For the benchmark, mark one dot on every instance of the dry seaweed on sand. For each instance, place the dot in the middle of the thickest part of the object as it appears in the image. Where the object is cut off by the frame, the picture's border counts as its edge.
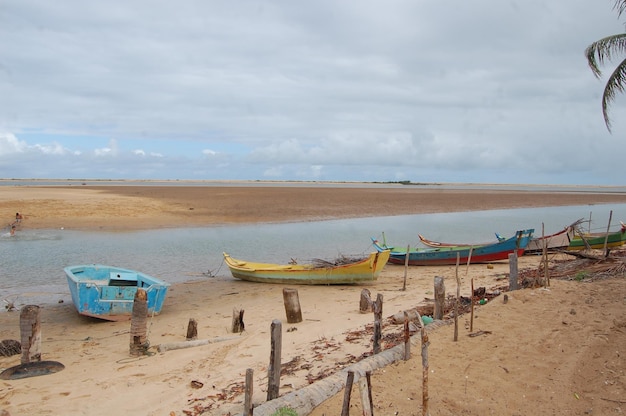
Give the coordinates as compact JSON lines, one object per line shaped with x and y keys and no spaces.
{"x":587,"y":268}
{"x":339,"y":261}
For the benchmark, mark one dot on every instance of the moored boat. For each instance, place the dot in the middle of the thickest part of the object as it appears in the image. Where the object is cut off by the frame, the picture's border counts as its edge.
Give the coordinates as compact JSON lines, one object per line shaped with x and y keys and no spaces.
{"x":448,"y":255}
{"x":598,"y":240}
{"x":436,"y":244}
{"x":347,"y":271}
{"x":108,"y":292}
{"x":556,"y":241}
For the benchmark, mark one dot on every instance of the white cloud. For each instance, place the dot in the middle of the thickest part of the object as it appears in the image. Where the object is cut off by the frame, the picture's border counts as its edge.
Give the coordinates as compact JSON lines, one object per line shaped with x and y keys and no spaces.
{"x":322,"y":90}
{"x":9,"y":144}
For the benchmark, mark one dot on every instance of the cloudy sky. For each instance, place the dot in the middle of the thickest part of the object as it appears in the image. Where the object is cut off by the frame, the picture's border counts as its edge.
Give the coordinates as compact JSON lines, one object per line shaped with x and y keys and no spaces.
{"x":491,"y":91}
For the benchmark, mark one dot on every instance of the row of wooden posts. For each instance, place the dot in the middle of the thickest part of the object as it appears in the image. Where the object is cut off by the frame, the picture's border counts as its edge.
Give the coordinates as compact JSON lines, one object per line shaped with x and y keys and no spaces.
{"x":294,"y":315}
{"x":30,"y":329}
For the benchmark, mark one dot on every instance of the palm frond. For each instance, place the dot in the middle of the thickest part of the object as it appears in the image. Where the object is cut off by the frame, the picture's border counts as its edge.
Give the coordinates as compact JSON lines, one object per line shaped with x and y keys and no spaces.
{"x":620,"y":6}
{"x":604,"y":49}
{"x":616,"y":83}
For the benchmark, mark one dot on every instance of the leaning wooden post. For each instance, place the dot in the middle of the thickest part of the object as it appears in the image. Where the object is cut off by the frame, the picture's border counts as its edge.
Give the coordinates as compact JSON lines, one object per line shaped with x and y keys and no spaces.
{"x":440,"y":297}
{"x":458,"y":298}
{"x":469,"y":260}
{"x":406,"y":265}
{"x":292,"y":306}
{"x":273,"y":371}
{"x":544,"y":249}
{"x":606,"y":238}
{"x":368,"y":376}
{"x":139,"y":324}
{"x":366,"y":400}
{"x":378,"y":317}
{"x":345,"y":408}
{"x":30,"y":331}
{"x":424,"y":340}
{"x":248,"y":408}
{"x":513,"y":271}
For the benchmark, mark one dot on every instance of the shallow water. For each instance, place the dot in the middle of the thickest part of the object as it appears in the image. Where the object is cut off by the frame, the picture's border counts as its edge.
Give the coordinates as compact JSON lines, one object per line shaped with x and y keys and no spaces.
{"x":33,"y":260}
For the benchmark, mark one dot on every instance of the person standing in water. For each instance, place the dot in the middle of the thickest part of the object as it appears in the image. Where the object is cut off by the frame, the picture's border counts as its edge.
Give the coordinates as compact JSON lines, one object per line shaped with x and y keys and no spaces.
{"x":18,"y":218}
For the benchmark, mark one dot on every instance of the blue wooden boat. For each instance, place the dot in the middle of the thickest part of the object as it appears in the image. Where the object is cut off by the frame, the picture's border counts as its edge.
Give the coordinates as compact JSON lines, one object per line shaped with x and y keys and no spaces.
{"x":448,"y":255}
{"x":108,"y":292}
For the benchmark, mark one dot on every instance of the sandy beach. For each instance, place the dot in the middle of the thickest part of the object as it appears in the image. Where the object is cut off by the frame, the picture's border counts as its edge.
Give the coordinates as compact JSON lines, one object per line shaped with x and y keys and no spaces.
{"x":555,"y":350}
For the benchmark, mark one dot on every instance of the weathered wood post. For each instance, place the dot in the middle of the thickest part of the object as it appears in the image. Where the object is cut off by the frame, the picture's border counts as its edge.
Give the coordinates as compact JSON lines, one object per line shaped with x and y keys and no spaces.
{"x":544,"y":251}
{"x":406,"y":266}
{"x":192,"y":329}
{"x":237,"y":324}
{"x":458,"y":298}
{"x":292,"y":306}
{"x":440,"y":297}
{"x":425,"y":343}
{"x":472,"y":308}
{"x":139,"y":324}
{"x":513,"y":272}
{"x":30,"y":330}
{"x":273,"y":371}
{"x":345,"y":408}
{"x":407,"y":337}
{"x":378,"y":317}
{"x":365,"y":304}
{"x":366,"y":400}
{"x":605,"y":250}
{"x":248,"y":408}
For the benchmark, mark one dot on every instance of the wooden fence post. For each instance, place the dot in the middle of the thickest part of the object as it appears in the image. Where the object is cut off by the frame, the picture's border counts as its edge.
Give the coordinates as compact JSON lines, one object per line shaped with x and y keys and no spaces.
{"x":425,"y":366}
{"x":407,"y":337}
{"x":248,"y":408}
{"x":458,"y":298}
{"x":139,"y":324}
{"x":406,"y":266}
{"x":378,"y":317}
{"x":366,"y":400}
{"x":273,"y":376}
{"x":192,"y":329}
{"x":365,"y":304}
{"x":440,"y":297}
{"x":345,"y":408}
{"x":237,"y":323}
{"x":30,"y":330}
{"x":513,"y":272}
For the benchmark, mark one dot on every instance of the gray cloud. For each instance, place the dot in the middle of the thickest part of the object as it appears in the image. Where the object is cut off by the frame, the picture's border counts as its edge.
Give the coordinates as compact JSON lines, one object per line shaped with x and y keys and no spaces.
{"x":419,"y":90}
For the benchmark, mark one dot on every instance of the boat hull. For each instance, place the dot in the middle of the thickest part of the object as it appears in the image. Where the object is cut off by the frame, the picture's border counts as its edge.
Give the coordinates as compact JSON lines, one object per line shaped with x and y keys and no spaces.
{"x":108,"y":293}
{"x":448,"y":255}
{"x":615,"y":239}
{"x":556,"y":241}
{"x":363,"y":271}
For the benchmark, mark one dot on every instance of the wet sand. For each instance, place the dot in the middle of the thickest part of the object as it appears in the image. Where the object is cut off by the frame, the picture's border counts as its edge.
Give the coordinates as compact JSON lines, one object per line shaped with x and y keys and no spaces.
{"x":547,"y":351}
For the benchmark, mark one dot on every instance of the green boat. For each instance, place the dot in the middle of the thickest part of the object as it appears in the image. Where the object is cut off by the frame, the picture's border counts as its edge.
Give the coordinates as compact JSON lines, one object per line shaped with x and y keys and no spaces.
{"x":597,"y":241}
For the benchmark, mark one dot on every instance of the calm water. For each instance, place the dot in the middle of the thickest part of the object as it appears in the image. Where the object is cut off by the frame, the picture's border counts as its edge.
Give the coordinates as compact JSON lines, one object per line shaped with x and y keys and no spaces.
{"x":33,"y":260}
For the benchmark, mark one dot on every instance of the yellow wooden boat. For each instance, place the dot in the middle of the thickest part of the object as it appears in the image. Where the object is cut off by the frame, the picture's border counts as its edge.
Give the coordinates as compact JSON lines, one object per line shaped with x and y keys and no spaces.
{"x":315,"y":273}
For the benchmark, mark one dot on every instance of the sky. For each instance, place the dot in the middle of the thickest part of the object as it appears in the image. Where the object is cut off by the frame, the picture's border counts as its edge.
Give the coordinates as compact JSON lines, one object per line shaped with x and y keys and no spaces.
{"x":487,"y":91}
